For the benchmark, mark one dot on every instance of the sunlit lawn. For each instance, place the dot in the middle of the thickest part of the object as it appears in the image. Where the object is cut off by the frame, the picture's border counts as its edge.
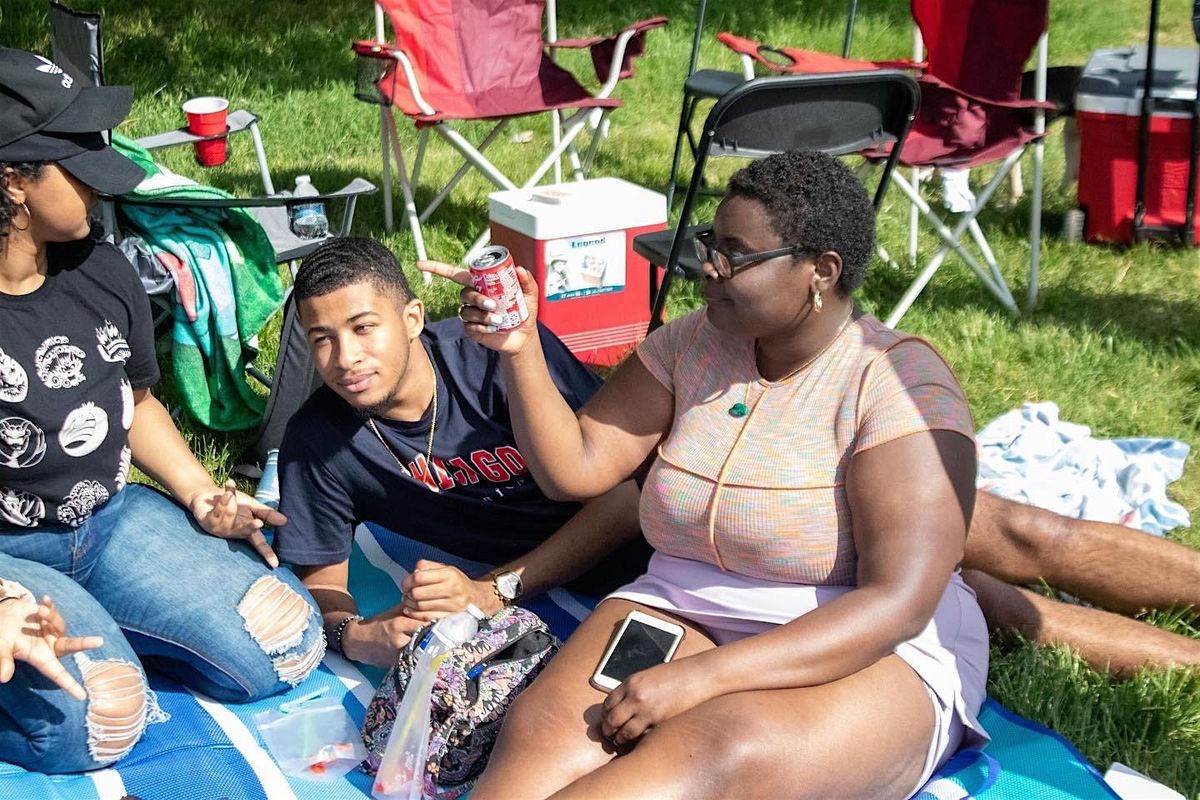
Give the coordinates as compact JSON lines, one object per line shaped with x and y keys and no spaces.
{"x":1114,"y":340}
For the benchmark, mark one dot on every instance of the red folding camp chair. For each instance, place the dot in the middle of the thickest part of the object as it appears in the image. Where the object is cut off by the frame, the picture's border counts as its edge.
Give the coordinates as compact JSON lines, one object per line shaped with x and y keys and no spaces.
{"x":456,"y":60}
{"x":971,"y":114}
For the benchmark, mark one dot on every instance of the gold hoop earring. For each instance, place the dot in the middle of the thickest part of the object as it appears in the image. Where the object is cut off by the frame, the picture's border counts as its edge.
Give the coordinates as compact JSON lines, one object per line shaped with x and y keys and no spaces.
{"x":28,"y":219}
{"x":818,"y":303}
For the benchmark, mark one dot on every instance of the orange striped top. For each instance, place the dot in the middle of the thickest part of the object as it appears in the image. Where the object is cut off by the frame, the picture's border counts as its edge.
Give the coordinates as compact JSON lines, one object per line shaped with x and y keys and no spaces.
{"x":764,"y":495}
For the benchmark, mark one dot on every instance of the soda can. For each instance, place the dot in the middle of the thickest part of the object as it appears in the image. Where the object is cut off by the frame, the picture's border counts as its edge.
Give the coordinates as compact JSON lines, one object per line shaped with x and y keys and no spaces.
{"x":495,"y":276}
{"x":268,"y":485}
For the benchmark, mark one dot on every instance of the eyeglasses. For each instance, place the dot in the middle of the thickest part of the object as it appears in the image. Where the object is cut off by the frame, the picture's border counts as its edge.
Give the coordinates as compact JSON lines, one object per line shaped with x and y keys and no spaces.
{"x":726,"y":265}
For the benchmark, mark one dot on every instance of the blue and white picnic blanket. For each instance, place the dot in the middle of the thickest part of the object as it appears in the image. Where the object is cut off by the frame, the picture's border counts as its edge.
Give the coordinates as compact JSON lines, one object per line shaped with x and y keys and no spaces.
{"x":212,"y":751}
{"x":1031,"y":456}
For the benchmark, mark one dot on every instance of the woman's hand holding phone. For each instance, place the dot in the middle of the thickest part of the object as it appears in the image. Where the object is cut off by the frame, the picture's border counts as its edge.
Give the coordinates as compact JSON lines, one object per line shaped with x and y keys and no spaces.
{"x":652,"y":696}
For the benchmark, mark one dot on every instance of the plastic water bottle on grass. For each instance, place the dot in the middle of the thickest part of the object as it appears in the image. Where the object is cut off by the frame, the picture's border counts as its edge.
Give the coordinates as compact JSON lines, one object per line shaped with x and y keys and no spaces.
{"x":308,"y":219}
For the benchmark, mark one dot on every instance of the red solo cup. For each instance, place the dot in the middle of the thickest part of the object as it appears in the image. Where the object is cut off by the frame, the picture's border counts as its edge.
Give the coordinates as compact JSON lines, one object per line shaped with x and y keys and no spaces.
{"x":206,"y":117}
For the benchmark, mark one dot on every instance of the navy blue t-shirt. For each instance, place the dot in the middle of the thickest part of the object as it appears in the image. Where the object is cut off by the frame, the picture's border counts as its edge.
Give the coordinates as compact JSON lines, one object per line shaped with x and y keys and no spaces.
{"x":335,"y":473}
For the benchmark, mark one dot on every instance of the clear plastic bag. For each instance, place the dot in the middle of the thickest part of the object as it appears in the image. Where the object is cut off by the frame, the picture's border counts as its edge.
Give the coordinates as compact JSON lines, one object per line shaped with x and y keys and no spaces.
{"x":312,"y":737}
{"x":401,"y":774}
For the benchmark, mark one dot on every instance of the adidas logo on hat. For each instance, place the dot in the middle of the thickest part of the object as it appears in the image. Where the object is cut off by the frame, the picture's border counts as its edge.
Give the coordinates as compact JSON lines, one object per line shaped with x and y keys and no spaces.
{"x":51,"y":68}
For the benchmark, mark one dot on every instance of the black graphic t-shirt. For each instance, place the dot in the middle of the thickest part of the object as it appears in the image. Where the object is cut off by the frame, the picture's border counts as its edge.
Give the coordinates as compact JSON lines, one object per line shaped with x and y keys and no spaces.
{"x":335,"y":473}
{"x":72,"y":353}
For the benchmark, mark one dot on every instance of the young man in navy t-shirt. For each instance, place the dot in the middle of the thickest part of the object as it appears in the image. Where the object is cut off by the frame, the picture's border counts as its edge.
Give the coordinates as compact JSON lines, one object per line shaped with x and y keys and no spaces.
{"x":411,"y":431}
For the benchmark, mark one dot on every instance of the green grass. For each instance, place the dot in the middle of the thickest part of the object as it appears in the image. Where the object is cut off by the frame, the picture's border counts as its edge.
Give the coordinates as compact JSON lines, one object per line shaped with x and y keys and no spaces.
{"x":1114,"y":340}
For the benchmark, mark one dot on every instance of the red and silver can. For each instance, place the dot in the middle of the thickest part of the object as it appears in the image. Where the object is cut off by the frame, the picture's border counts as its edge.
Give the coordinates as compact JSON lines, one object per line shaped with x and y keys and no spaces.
{"x":495,"y":276}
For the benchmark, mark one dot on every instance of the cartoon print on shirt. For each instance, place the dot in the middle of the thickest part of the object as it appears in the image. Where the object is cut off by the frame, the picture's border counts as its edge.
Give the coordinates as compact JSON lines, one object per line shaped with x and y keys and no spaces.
{"x":22,"y":444}
{"x":21,"y":508}
{"x":78,"y":505}
{"x":60,"y":363}
{"x":126,"y":405}
{"x":123,"y":468}
{"x":83,"y":430}
{"x":14,"y":383}
{"x":111,"y":344}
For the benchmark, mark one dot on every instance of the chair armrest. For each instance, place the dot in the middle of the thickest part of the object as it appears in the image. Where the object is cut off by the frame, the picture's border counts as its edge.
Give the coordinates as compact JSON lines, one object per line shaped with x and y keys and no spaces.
{"x":237,"y":122}
{"x":403,"y":65}
{"x":351,"y":191}
{"x":785,"y":60}
{"x":612,"y":56}
{"x":1019,"y":104}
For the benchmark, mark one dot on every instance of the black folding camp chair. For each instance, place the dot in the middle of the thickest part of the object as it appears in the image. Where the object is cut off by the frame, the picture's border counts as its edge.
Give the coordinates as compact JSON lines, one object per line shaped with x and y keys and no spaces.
{"x":709,"y":84}
{"x":836,"y":113}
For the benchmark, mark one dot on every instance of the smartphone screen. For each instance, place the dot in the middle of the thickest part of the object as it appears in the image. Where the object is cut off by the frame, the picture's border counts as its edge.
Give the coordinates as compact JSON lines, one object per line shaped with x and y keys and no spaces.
{"x":640,"y":647}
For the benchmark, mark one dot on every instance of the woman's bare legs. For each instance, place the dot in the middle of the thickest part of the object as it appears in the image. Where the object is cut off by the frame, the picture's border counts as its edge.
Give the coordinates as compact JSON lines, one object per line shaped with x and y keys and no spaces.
{"x":795,"y":743}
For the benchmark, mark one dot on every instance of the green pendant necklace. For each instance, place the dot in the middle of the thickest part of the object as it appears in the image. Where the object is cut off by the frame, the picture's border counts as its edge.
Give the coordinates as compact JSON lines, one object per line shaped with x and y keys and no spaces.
{"x":740,"y":409}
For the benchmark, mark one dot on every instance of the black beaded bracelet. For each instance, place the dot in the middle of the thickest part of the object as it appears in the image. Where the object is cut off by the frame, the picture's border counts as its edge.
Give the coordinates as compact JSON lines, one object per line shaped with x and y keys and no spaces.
{"x":336,"y":641}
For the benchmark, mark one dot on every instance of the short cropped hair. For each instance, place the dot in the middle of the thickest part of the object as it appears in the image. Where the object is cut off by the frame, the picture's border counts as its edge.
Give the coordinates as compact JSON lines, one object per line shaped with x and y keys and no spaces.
{"x":816,"y":202}
{"x":347,"y":260}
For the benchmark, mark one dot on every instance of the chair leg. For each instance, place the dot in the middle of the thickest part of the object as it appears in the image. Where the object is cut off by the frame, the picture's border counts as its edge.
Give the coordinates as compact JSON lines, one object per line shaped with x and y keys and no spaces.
{"x":914,"y":219}
{"x":555,"y":138}
{"x":264,"y":171}
{"x":386,"y":123}
{"x":950,"y":241}
{"x":685,"y":119}
{"x":1035,"y":224}
{"x":1035,"y":200}
{"x":433,"y":204}
{"x":473,"y":155}
{"x":989,"y":258}
{"x":594,"y":144}
{"x":410,"y":206}
{"x":571,"y":129}
{"x":422,"y":142}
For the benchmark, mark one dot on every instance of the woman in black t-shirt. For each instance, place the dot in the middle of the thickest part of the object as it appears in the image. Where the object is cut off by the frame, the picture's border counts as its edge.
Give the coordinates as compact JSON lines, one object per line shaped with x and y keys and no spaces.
{"x":176,"y":581}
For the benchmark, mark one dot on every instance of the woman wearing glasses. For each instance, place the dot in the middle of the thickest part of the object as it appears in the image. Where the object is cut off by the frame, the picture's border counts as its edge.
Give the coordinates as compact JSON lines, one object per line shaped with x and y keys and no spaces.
{"x":808,"y":506}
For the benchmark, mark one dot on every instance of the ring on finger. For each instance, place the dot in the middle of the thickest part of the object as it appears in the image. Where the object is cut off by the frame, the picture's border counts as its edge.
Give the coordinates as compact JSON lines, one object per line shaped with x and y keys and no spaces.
{"x":461,"y":306}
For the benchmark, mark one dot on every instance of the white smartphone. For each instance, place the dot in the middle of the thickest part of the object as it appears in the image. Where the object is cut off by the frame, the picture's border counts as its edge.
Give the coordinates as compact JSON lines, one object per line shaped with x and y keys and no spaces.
{"x":641,"y":642}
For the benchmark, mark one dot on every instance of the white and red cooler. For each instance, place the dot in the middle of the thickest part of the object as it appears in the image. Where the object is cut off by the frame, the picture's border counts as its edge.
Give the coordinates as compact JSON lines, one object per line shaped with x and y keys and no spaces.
{"x":1107,"y":109}
{"x":577,"y":239}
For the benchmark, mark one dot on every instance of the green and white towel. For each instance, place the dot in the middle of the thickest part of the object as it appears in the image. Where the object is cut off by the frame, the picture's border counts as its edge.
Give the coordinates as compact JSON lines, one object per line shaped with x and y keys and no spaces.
{"x":238,"y":288}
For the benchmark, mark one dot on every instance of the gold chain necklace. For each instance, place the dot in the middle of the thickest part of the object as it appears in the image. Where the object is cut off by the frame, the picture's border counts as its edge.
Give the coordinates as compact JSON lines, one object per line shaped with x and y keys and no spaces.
{"x":428,"y":442}
{"x":742,"y":408}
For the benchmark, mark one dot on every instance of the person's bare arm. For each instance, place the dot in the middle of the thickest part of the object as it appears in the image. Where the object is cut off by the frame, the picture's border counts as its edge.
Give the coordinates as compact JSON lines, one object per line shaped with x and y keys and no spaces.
{"x":434,"y":590}
{"x":572,"y":456}
{"x":158,"y":449}
{"x":375,"y":640}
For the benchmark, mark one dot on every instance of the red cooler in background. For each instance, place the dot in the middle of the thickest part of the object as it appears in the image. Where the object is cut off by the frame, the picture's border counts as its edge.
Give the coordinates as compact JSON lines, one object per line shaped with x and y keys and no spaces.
{"x":577,"y":239}
{"x":1107,"y":109}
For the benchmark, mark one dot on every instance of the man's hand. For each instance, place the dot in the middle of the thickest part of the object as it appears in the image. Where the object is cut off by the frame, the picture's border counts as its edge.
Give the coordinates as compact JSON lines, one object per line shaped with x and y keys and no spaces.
{"x":229,"y":514}
{"x":433,"y":590}
{"x":36,"y":634}
{"x":377,"y":640}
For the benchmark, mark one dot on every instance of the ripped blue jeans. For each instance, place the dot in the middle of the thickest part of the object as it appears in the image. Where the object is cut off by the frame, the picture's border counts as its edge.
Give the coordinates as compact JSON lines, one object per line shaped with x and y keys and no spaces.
{"x":165,"y":596}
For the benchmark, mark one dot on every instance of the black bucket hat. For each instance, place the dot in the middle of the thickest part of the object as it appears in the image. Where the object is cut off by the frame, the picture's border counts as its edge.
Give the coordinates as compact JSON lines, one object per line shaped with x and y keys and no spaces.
{"x":48,"y":115}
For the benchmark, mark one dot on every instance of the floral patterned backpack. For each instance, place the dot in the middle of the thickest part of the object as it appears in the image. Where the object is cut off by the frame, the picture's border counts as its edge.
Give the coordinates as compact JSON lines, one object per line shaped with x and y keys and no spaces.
{"x":473,"y":689}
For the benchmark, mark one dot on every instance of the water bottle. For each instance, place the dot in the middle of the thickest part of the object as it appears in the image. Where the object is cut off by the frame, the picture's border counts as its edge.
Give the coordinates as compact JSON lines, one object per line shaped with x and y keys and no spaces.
{"x":308,"y":220}
{"x":268,"y":485}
